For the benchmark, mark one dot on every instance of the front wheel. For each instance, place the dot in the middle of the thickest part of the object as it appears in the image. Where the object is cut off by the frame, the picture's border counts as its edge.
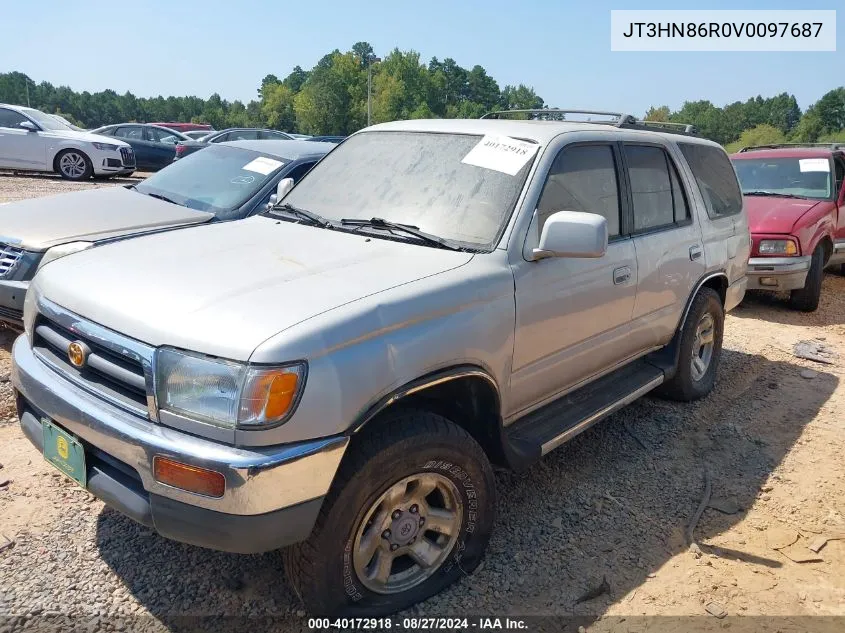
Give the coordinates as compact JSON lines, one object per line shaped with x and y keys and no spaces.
{"x":410,"y":512}
{"x":701,"y":349}
{"x":73,"y":164}
{"x":807,"y":298}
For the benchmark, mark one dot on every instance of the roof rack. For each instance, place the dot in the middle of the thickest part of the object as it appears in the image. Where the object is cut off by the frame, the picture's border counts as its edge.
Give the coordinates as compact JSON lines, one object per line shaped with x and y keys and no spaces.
{"x":621,"y":120}
{"x":797,"y":145}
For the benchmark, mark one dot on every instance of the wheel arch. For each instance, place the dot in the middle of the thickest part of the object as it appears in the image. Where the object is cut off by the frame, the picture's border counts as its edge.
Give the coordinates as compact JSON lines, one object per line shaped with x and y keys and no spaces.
{"x":667,"y":358}
{"x":467,"y":395}
{"x":64,"y":146}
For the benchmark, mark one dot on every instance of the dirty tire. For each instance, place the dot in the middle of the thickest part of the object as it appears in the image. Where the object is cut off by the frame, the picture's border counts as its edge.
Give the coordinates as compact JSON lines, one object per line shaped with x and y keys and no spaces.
{"x":806,"y":299}
{"x":322,"y":569}
{"x":684,"y":386}
{"x":73,"y":164}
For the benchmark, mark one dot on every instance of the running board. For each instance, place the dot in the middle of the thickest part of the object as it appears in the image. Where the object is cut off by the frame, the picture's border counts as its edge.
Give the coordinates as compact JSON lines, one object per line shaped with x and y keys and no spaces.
{"x":550,"y":426}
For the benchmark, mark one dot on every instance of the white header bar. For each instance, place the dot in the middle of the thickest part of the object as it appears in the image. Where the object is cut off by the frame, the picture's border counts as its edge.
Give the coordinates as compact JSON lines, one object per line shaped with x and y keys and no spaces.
{"x":649,"y":30}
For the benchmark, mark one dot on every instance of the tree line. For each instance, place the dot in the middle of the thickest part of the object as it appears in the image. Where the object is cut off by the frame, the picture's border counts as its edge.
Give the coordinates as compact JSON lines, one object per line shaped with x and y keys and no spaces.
{"x":331,"y":98}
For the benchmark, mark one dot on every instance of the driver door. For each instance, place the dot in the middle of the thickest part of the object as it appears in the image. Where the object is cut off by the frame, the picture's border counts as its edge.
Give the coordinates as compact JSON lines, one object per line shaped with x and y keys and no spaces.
{"x":20,"y":148}
{"x":573,"y":316}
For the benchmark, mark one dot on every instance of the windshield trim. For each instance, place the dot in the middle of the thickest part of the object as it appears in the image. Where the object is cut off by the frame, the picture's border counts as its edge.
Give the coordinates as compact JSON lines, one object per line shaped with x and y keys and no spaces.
{"x":509,"y":208}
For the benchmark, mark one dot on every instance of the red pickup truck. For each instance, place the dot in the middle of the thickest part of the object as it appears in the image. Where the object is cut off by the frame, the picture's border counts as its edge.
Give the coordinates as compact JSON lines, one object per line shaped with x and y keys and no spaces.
{"x":795,"y":198}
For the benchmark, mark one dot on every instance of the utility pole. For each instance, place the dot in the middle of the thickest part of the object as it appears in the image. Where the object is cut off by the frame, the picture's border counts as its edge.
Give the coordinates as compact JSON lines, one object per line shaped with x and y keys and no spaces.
{"x":26,"y":83}
{"x":370,"y":60}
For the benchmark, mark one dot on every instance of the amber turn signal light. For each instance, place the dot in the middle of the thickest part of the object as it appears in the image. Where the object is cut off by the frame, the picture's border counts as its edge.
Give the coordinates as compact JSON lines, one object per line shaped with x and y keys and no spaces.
{"x":200,"y":481}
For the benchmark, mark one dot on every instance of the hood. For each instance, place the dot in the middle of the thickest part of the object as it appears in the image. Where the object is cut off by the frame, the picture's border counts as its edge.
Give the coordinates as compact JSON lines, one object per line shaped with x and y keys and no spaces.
{"x":773,"y":214}
{"x":89,"y":215}
{"x":88,"y":137}
{"x":223,"y":289}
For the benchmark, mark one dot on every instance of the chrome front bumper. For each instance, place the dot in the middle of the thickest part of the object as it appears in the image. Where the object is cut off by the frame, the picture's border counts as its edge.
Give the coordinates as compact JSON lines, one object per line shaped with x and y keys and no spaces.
{"x":260,"y":482}
{"x":777,"y":273}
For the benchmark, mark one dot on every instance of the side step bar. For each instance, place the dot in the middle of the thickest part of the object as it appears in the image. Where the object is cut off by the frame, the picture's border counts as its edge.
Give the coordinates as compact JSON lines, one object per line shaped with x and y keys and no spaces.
{"x":543,"y":430}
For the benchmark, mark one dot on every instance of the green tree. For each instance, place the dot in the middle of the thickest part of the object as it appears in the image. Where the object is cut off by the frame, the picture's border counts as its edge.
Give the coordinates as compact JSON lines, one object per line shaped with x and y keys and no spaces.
{"x":763,"y":134}
{"x":277,"y":107}
{"x":661,"y":114}
{"x":520,"y":97}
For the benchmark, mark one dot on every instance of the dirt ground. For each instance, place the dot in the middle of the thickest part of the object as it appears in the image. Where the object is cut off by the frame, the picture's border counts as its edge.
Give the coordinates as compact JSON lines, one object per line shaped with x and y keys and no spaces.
{"x":614,"y":504}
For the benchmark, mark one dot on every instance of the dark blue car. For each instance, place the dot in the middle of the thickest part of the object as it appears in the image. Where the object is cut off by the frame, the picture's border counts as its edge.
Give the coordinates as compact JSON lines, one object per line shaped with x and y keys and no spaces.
{"x":154,"y":145}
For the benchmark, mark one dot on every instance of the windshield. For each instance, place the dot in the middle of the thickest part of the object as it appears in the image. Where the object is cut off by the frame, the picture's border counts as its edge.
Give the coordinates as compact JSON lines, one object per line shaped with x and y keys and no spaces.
{"x":46,"y":121}
{"x":217,"y":179}
{"x":801,"y":177}
{"x":418,"y":179}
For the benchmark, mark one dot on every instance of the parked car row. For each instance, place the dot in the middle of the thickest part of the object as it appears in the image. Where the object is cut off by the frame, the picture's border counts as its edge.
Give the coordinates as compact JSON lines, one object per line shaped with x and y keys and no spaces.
{"x":338,"y":373}
{"x":35,"y":141}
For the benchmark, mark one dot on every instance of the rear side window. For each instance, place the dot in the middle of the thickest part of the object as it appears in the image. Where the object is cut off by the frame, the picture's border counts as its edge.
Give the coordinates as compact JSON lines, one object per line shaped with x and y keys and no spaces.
{"x":582,"y":178}
{"x":715,"y":177}
{"x":656,"y":192}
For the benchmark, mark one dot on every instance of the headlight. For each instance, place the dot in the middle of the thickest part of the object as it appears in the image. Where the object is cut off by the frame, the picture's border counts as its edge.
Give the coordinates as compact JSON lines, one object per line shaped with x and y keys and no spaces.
{"x":227,"y":393}
{"x":778,"y":247}
{"x":61,"y":250}
{"x":106,"y":146}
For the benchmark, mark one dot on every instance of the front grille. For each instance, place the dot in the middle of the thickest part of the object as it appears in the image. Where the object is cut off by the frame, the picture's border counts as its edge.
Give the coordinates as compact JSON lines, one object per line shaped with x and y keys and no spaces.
{"x":114,"y":374}
{"x":127,"y":156}
{"x":10,"y":257}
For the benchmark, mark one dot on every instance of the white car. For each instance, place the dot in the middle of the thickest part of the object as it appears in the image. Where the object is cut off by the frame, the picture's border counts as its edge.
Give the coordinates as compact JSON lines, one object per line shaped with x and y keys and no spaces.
{"x":35,"y":141}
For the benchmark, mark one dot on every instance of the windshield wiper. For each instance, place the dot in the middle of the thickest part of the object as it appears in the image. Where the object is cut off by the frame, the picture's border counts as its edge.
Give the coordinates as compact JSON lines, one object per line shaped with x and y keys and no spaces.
{"x":302,"y":214}
{"x":410,"y":229}
{"x":776,"y":194}
{"x":158,"y":196}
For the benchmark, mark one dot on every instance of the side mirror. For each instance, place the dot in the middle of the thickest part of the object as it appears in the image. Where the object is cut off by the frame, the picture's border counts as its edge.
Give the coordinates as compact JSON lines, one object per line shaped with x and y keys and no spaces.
{"x":285,"y":185}
{"x":573,"y":234}
{"x":29,"y":126}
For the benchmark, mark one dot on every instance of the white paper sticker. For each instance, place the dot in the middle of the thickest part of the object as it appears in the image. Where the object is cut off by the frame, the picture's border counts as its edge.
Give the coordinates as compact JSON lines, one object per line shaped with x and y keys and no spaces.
{"x":501,"y":153}
{"x":813,"y":164}
{"x":263,"y":165}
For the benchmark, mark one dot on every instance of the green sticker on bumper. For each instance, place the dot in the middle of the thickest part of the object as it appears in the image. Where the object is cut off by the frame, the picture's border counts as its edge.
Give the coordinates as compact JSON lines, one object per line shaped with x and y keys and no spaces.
{"x":64,"y":451}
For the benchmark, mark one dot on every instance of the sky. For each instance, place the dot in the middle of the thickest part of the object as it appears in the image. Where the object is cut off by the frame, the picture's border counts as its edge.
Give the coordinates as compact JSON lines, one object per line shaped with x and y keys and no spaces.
{"x":559,"y":47}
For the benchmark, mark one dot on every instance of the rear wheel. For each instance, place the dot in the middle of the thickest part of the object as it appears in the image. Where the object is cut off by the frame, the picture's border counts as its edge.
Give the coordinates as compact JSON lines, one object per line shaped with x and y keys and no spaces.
{"x":701,"y":349}
{"x":73,"y":164}
{"x":806,"y":299}
{"x":410,"y":512}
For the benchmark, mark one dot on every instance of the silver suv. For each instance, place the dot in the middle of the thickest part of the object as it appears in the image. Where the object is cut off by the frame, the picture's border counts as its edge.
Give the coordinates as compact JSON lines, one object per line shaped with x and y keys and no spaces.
{"x":340,"y":374}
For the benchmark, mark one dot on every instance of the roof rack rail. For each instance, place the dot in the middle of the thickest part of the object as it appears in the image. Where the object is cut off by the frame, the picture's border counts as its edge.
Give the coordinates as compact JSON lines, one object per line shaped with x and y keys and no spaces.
{"x":796,"y":145}
{"x":559,"y":114}
{"x":621,"y":120}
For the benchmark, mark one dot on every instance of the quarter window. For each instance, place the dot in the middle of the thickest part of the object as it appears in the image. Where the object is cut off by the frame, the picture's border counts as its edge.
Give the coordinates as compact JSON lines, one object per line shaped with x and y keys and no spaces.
{"x":656,"y":191}
{"x":715,"y":178}
{"x":582,"y":178}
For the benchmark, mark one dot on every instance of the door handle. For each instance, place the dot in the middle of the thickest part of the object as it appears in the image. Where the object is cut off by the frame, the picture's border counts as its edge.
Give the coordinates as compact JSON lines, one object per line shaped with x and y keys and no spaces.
{"x":695,"y":252}
{"x":621,"y":275}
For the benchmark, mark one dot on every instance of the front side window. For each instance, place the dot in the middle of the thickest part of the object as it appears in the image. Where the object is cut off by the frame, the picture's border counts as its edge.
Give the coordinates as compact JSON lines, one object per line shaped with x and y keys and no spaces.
{"x":656,"y":191}
{"x":162,"y":136}
{"x":131,"y":132}
{"x":243,"y":135}
{"x":10,"y":118}
{"x":415,"y":178}
{"x":715,"y":178}
{"x":788,"y":177}
{"x":582,"y":178}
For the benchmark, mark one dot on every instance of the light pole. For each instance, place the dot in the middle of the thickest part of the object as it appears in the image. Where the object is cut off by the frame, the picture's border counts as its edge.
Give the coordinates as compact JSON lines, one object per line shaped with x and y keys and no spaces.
{"x":370,"y":60}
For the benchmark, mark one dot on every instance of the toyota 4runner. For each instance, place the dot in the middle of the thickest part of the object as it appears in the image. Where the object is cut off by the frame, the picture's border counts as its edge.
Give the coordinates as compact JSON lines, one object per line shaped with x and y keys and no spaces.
{"x":339,"y":374}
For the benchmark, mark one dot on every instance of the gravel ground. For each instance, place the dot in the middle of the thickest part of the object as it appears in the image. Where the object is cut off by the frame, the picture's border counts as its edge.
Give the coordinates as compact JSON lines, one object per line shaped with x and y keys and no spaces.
{"x":612,"y":504}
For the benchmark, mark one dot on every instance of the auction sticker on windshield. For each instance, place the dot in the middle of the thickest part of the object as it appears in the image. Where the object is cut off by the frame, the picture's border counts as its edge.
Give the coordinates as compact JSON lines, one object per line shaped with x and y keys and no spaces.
{"x":501,"y":153}
{"x":813,"y":164}
{"x":263,"y":165}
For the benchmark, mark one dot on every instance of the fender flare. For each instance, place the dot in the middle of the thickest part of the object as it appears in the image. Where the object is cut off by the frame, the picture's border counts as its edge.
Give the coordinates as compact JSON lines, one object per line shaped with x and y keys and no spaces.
{"x":422,"y":383}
